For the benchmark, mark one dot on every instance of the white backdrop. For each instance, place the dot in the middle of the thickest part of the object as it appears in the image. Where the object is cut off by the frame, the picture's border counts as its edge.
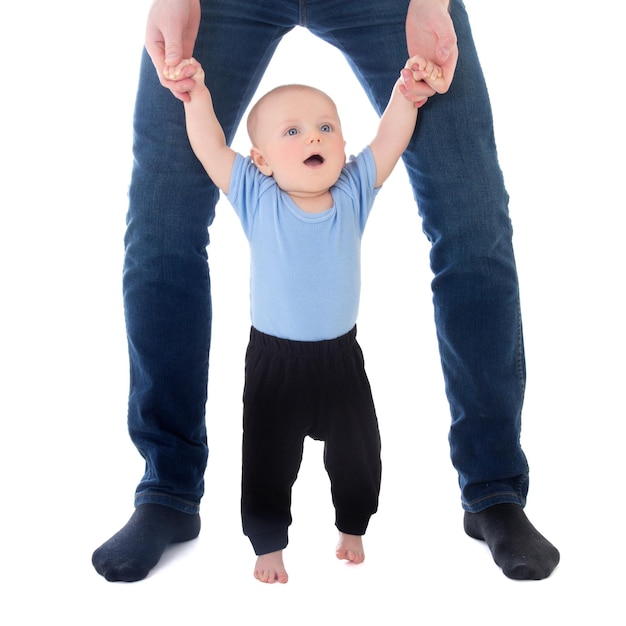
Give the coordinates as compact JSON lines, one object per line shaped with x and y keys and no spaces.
{"x":68,"y":467}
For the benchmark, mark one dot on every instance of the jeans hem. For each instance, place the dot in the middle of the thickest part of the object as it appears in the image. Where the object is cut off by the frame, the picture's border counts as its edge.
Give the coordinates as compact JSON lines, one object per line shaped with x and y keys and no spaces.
{"x":180,"y":504}
{"x":480,"y":504}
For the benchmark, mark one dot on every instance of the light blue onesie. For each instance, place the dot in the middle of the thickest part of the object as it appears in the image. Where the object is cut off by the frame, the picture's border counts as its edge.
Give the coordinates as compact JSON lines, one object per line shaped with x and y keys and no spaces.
{"x":305,"y":274}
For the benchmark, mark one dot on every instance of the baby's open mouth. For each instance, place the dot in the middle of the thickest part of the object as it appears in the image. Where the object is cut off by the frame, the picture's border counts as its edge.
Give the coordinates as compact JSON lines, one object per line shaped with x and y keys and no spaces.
{"x":314,"y":159}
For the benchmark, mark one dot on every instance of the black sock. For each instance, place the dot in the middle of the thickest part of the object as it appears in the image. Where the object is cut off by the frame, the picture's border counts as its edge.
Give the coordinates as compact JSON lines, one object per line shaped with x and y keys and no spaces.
{"x":132,"y":552}
{"x":515,"y":544}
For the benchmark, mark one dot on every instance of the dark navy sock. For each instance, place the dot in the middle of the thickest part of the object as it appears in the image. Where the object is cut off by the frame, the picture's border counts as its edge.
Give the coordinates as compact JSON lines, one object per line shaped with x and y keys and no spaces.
{"x":515,"y":544}
{"x":132,"y":552}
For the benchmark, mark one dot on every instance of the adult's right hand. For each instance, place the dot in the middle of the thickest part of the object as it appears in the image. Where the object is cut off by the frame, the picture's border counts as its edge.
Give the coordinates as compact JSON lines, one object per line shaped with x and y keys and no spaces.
{"x":171,"y":33}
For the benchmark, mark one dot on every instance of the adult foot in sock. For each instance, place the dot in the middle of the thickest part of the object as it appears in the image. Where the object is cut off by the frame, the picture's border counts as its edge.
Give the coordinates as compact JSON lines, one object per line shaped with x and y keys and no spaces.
{"x":132,"y":552}
{"x":515,"y":544}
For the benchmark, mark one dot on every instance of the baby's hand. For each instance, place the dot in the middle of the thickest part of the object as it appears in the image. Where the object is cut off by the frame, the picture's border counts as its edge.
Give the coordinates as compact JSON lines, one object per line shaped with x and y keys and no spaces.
{"x":175,"y":72}
{"x":423,"y":69}
{"x":186,"y":77}
{"x":420,"y":80}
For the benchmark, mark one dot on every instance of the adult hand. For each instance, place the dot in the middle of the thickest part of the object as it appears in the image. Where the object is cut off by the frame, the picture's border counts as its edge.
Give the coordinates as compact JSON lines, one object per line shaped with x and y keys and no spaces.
{"x":430,"y":34}
{"x":171,"y":32}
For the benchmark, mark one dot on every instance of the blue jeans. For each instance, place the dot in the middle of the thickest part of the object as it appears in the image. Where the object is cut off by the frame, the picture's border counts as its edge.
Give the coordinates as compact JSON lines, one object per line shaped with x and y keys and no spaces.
{"x":453,"y":168}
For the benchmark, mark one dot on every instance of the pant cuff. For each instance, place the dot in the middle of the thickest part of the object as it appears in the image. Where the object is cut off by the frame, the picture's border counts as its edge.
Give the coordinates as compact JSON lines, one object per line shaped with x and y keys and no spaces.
{"x":269,"y":542}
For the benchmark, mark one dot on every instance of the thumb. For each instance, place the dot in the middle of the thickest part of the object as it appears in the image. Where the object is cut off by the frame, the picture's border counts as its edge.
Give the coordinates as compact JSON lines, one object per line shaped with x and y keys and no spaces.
{"x":173,"y":50}
{"x":164,"y":45}
{"x":445,"y":46}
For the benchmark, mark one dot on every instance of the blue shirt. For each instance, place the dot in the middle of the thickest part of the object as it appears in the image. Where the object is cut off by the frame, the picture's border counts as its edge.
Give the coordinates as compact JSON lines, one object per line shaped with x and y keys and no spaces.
{"x":305,"y":268}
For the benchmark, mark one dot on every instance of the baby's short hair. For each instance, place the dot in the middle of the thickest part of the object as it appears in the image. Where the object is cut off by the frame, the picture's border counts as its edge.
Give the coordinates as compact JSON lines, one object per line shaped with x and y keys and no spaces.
{"x":253,"y":116}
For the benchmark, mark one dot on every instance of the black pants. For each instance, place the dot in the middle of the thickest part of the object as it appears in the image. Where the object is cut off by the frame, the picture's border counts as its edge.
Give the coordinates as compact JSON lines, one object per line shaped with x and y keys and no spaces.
{"x":295,"y":389}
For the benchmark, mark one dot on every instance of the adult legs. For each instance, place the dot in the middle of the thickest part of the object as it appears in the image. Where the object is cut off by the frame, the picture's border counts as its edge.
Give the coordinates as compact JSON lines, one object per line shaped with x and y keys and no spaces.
{"x":453,"y":168}
{"x":167,"y":284}
{"x":168,"y":317}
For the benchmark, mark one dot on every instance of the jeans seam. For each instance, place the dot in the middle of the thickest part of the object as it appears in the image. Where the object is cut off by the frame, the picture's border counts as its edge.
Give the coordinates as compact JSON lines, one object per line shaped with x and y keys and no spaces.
{"x":521,"y":368}
{"x":302,"y":13}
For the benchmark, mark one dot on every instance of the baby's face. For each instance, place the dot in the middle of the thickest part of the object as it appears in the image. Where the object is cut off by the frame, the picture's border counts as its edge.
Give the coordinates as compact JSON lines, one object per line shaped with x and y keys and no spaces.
{"x":299,"y":136}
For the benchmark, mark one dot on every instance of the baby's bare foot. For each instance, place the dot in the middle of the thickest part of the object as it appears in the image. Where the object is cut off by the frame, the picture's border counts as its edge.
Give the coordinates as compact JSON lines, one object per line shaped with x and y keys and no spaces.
{"x":350,"y":548}
{"x":270,"y":568}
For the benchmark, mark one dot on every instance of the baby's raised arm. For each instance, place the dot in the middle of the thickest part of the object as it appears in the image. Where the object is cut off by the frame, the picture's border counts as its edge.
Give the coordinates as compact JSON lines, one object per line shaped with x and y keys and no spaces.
{"x":398,"y":121}
{"x":205,"y":132}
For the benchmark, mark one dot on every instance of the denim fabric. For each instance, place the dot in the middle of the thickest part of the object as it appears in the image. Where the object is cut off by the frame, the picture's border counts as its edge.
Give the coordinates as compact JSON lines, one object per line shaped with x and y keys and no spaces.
{"x":458,"y":185}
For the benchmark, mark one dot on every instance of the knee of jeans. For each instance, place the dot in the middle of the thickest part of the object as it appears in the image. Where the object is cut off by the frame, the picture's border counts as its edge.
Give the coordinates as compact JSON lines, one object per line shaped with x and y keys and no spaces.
{"x":473,"y":241}
{"x":169,"y":216}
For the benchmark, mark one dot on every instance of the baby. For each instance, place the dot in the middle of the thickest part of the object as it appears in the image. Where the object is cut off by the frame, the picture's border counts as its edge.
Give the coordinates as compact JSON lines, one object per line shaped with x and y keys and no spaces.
{"x":303,"y":209}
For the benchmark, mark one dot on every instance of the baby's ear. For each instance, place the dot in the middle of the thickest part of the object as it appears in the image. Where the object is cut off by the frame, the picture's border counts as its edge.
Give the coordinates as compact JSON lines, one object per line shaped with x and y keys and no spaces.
{"x":259,"y":160}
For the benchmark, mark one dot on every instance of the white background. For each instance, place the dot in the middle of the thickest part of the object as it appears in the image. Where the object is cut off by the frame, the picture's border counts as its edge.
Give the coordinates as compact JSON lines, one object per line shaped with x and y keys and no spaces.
{"x":68,"y":469}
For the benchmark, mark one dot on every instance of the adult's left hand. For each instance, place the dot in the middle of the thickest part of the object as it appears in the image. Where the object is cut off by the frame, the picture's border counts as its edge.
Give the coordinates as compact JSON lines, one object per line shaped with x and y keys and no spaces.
{"x":430,"y":34}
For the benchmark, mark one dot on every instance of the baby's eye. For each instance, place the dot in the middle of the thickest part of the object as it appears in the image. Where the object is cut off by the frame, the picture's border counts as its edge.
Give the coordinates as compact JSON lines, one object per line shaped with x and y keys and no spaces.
{"x":325,"y":128}
{"x":291,"y":132}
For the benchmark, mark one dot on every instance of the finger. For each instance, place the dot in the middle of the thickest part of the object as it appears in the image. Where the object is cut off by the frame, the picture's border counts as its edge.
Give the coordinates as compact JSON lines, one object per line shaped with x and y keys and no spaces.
{"x":180,"y":88}
{"x":445,"y":47}
{"x":182,"y":70}
{"x":416,"y":64}
{"x":448,"y":68}
{"x":423,"y":69}
{"x":164,"y":44}
{"x":155,"y":48}
{"x":438,"y":76}
{"x":412,"y":74}
{"x":417,"y":100}
{"x":172,"y":43}
{"x":415,"y":83}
